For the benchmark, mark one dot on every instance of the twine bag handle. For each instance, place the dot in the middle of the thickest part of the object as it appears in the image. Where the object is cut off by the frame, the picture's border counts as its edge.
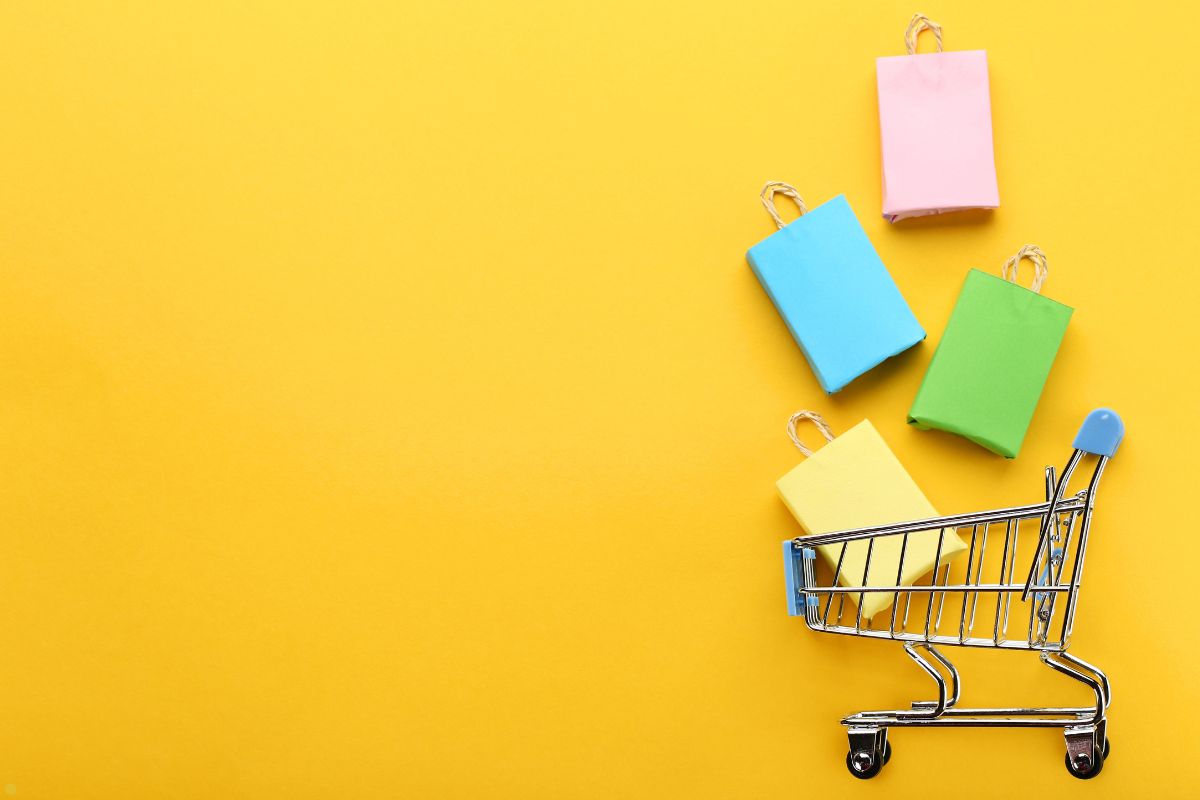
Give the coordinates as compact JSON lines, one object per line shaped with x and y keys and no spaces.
{"x":767,"y":195}
{"x":919,"y":23}
{"x":815,"y":419}
{"x":1040,"y":267}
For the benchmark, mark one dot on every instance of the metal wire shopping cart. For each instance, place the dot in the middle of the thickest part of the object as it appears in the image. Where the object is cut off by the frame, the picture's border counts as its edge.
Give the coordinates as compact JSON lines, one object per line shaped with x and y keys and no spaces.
{"x":952,"y":595}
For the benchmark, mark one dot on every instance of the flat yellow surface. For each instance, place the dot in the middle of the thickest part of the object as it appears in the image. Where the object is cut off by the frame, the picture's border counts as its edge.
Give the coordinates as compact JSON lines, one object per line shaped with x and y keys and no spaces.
{"x":388,"y":410}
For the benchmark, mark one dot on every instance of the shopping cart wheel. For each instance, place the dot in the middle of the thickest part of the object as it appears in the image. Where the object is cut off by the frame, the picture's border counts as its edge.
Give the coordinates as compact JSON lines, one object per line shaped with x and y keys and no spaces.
{"x":863,"y":764}
{"x":1086,"y":768}
{"x":1106,"y":748}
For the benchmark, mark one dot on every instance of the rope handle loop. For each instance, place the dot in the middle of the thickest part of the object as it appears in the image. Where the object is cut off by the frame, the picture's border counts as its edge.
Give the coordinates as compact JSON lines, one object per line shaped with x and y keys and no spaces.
{"x":815,"y":419}
{"x":767,"y":195}
{"x":1040,"y":267}
{"x":919,"y":23}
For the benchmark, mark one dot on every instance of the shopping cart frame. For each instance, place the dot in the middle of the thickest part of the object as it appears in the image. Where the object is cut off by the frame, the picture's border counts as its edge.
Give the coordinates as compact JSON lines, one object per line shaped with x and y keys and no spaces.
{"x":1052,"y":606}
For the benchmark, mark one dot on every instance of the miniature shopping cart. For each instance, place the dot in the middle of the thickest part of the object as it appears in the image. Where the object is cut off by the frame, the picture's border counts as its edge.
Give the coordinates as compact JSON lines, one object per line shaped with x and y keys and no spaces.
{"x":972,"y":602}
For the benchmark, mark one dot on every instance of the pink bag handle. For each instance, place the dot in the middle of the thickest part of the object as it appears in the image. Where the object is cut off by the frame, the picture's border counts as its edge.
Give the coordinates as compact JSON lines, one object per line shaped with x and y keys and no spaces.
{"x":919,"y":23}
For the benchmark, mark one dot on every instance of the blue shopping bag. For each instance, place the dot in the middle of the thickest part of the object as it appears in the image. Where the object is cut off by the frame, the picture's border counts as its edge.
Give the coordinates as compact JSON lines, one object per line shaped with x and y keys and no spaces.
{"x":833,"y":292}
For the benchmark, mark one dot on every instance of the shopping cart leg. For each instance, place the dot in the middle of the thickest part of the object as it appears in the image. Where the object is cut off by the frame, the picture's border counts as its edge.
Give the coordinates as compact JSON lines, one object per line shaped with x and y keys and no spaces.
{"x":1101,"y":678}
{"x":1087,"y":743}
{"x":945,"y":699}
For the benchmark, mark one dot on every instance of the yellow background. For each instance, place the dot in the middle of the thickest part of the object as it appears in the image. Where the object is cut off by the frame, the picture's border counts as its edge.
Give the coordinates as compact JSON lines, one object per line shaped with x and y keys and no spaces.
{"x":388,"y":409}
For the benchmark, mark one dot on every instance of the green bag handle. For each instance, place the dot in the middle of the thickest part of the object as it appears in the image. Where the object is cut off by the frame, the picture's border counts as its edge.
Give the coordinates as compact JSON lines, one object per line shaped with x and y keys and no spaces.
{"x":1040,"y":267}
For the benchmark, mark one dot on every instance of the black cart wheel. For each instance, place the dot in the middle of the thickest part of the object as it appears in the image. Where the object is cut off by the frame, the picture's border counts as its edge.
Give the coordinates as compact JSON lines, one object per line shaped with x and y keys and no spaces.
{"x":1088,"y":770}
{"x":863,"y":764}
{"x":1106,"y":748}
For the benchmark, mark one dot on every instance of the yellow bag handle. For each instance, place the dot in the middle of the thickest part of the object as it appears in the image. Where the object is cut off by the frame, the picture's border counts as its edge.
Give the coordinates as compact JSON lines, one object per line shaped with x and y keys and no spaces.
{"x":815,"y":419}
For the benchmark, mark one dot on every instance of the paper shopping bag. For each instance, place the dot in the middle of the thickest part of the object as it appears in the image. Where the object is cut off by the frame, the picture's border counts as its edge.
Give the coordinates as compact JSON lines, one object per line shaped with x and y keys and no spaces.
{"x":854,"y":481}
{"x":935,"y":128}
{"x":835,"y":295}
{"x":988,"y":371}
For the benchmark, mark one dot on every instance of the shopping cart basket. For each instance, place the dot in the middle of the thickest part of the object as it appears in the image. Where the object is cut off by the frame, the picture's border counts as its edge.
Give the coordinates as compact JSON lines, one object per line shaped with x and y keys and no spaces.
{"x":946,"y":607}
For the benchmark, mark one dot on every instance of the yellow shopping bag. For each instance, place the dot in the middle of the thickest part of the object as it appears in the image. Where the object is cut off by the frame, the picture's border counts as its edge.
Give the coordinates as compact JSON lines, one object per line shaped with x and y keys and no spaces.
{"x":855,"y":481}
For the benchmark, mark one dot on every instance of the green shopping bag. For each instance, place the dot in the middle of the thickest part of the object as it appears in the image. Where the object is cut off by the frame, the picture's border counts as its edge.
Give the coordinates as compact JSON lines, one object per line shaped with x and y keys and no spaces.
{"x":988,"y":371}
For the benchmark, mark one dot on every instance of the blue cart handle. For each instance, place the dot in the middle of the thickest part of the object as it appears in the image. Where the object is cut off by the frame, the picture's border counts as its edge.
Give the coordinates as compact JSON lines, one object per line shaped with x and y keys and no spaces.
{"x":1101,"y":433}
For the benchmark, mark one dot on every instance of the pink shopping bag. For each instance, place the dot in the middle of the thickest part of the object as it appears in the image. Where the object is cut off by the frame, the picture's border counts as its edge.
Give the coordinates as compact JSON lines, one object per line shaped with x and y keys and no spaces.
{"x":935,"y":126}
